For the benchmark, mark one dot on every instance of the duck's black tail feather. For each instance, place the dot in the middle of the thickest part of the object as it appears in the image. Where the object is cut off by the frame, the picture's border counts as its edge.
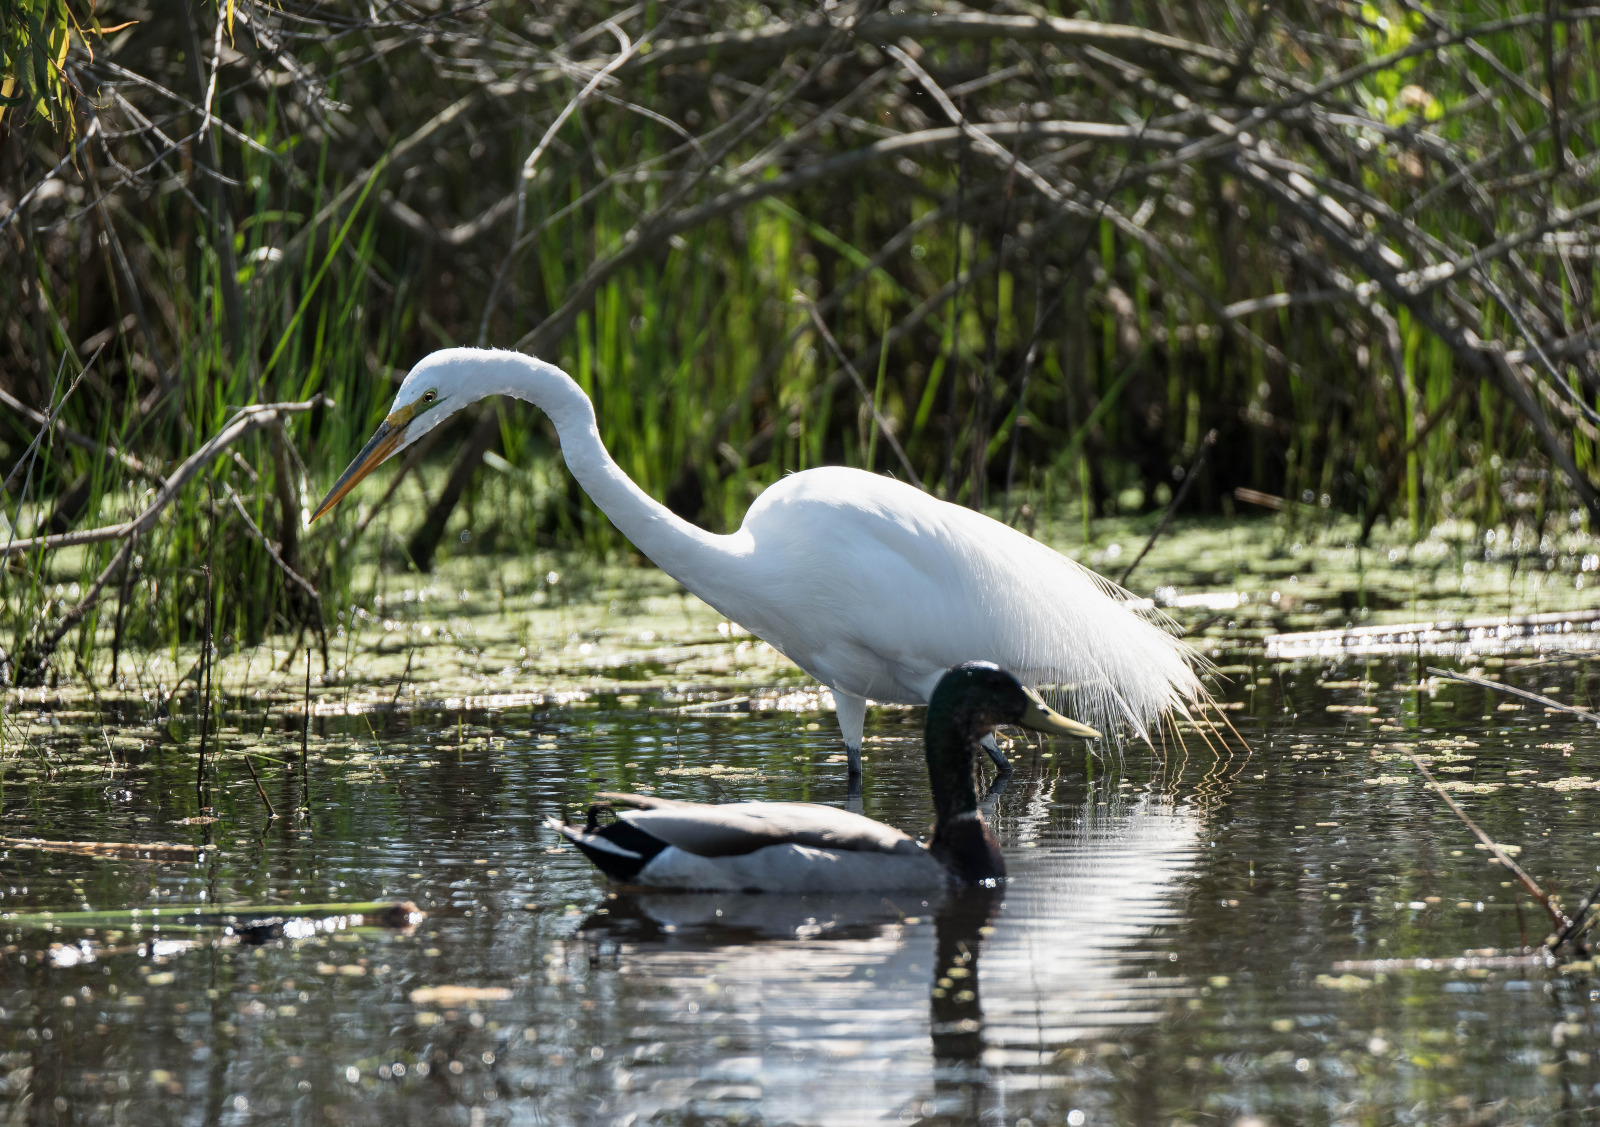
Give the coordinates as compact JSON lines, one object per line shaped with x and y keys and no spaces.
{"x":619,"y":850}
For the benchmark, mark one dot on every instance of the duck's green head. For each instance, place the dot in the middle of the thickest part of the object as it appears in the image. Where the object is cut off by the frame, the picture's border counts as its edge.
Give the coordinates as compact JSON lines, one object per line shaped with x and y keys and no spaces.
{"x":969,"y":703}
{"x":979,"y":697}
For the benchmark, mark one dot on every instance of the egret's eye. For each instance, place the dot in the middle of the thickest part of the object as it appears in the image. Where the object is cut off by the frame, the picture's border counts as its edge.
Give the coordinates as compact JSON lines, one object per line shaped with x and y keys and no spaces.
{"x":429,"y":396}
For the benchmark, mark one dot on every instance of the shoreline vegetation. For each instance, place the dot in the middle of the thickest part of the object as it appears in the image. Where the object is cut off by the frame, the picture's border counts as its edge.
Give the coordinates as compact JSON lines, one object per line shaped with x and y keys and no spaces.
{"x":1034,"y":258}
{"x":558,"y":626}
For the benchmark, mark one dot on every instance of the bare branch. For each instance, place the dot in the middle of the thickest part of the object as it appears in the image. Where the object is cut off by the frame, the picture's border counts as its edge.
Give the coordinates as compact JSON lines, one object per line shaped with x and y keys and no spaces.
{"x":866,"y":396}
{"x":1421,"y":281}
{"x":82,"y":441}
{"x":1466,"y":346}
{"x":961,"y":27}
{"x":247,"y":420}
{"x":261,"y":538}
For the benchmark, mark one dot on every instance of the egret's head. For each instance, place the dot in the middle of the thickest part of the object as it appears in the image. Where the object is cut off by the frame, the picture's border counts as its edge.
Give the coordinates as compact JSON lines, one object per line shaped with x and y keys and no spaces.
{"x":431,"y":392}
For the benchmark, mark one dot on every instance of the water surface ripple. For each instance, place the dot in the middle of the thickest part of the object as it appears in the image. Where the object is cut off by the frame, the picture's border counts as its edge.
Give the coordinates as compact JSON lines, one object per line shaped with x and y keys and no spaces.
{"x":1185,"y":938}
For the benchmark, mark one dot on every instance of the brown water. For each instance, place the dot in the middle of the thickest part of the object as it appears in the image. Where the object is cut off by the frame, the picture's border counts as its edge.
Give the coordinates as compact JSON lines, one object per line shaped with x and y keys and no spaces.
{"x":1186,"y":937}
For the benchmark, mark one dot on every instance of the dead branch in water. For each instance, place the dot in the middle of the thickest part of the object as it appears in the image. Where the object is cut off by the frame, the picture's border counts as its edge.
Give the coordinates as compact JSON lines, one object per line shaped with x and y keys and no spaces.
{"x":1406,"y":637}
{"x":194,"y":917}
{"x":260,"y":790}
{"x":1466,"y":962}
{"x":1537,"y":698}
{"x":1564,"y":926}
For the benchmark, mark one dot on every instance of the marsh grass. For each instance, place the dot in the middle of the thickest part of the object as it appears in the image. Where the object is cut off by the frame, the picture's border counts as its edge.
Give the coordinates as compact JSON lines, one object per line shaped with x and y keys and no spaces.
{"x":162,"y":600}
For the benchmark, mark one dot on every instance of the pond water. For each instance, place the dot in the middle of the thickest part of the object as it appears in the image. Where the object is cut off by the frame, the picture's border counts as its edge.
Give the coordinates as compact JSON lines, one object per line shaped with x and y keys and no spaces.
{"x":1297,"y":933}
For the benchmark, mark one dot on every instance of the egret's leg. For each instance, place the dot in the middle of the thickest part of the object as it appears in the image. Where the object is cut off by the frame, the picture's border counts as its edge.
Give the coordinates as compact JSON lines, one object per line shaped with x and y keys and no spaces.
{"x":1001,"y":763}
{"x":852,"y":714}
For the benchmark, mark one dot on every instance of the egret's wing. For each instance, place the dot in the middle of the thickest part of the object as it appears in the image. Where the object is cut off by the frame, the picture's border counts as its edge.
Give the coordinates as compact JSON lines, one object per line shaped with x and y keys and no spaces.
{"x":744,"y":827}
{"x":886,"y":581}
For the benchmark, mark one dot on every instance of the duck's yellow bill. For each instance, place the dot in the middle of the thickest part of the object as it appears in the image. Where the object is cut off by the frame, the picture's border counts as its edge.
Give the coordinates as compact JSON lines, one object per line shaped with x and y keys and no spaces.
{"x":1042,"y":718}
{"x":383,"y":442}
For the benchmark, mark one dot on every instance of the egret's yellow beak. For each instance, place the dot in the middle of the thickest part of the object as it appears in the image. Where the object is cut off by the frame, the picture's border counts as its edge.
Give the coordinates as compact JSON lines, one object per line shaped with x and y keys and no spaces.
{"x":384,"y":441}
{"x":1042,"y":718}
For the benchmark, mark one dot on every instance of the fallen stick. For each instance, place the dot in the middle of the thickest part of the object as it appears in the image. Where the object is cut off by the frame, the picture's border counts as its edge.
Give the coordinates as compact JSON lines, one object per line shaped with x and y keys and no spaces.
{"x":701,"y":706}
{"x":121,"y":850}
{"x":1580,"y":921}
{"x":1556,"y":657}
{"x":1256,"y":497}
{"x":369,"y":913}
{"x":247,"y":420}
{"x":1563,"y":925}
{"x":1483,"y":682}
{"x":255,"y":778}
{"x":1559,"y":627}
{"x":1448,"y":962}
{"x":455,"y":996}
{"x":128,"y":461}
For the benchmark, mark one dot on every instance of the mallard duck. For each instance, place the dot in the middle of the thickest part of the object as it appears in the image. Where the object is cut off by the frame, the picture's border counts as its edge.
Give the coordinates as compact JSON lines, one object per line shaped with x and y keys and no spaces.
{"x":807,"y":847}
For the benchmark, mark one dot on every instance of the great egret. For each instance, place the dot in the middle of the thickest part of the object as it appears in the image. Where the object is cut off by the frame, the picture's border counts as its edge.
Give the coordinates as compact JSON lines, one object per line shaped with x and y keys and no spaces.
{"x":804,"y":847}
{"x":869,"y":585}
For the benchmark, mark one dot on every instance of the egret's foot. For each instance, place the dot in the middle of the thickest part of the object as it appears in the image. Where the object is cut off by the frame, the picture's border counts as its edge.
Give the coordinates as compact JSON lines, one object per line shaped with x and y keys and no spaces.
{"x":853,"y":790}
{"x":1001,"y":763}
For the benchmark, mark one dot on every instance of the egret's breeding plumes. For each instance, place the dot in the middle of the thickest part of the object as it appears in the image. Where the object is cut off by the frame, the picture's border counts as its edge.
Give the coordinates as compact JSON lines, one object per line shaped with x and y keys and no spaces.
{"x":869,"y":585}
{"x":806,"y":847}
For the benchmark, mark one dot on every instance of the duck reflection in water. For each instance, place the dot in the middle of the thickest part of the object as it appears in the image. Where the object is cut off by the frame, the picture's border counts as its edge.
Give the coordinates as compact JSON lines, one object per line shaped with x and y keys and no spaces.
{"x":857,"y":959}
{"x":955,"y":1017}
{"x":843,"y":1009}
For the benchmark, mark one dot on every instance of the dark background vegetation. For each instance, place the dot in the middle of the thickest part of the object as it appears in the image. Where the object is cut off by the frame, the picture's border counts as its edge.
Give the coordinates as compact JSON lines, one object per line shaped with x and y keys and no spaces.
{"x":1054,"y":247}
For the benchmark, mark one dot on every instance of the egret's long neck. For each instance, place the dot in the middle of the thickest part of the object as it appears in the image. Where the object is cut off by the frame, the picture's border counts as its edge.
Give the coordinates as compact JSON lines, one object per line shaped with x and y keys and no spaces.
{"x":700,"y":560}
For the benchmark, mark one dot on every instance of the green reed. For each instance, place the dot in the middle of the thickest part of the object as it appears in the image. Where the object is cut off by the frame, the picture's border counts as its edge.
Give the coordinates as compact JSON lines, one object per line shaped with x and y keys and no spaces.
{"x":316,"y":331}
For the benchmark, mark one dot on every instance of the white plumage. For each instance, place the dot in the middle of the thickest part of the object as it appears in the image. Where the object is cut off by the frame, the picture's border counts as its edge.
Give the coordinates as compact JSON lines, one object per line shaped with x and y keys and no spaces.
{"x":871,"y":586}
{"x":895,"y":586}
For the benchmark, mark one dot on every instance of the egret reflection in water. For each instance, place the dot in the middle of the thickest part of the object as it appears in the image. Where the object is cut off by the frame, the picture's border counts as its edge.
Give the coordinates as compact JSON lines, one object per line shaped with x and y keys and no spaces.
{"x":843,"y":1009}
